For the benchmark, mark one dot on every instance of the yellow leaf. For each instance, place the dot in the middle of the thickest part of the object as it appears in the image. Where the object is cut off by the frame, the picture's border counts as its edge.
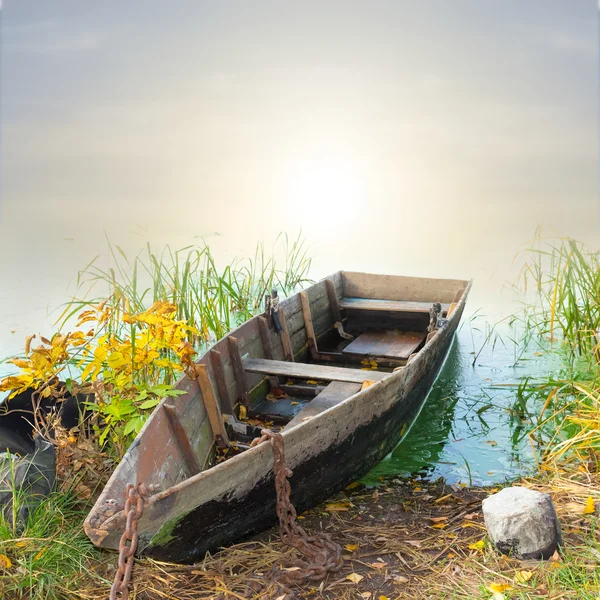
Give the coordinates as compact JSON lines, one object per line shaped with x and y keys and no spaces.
{"x":523,"y":576}
{"x":498,"y":588}
{"x":39,"y":554}
{"x":383,"y":598}
{"x":439,"y":525}
{"x":351,"y":547}
{"x":311,"y":381}
{"x":477,"y":545}
{"x":338,"y":506}
{"x":6,"y":563}
{"x":355,"y":577}
{"x":443,"y":498}
{"x":590,"y":506}
{"x":21,"y":544}
{"x":19,"y":362}
{"x":243,"y":413}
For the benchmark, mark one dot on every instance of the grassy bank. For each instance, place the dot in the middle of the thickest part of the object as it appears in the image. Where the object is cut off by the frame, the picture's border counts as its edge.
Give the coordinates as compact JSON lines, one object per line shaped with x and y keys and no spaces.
{"x":405,"y":539}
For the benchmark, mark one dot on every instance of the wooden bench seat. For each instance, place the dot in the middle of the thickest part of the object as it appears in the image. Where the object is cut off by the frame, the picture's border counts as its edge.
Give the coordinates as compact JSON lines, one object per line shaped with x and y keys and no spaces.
{"x":309,"y":371}
{"x":388,"y":305}
{"x":386,"y":344}
{"x":333,"y":394}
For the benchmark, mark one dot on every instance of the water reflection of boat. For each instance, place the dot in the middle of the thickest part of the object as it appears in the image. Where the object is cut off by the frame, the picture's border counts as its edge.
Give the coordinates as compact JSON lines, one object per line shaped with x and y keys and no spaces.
{"x":343,"y":366}
{"x":421,"y":448}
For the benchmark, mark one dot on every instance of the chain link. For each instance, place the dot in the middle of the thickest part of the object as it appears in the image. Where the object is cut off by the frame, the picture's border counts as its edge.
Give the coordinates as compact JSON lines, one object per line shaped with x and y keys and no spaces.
{"x":322,"y":555}
{"x":134,"y":508}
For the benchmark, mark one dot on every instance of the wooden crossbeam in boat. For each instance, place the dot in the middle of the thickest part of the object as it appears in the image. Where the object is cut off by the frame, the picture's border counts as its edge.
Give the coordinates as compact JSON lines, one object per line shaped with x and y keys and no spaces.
{"x":286,"y":342}
{"x":454,"y":303}
{"x":238,"y":370}
{"x":309,"y":371}
{"x":334,"y":393}
{"x":263,"y":327}
{"x":308,"y":324}
{"x":388,"y":305}
{"x":212,"y":406}
{"x":182,"y":439}
{"x":333,"y":301}
{"x":216,"y":361}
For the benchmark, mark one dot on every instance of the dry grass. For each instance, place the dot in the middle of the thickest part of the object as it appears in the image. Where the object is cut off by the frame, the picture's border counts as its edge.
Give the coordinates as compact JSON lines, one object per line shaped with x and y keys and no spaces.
{"x":405,"y":540}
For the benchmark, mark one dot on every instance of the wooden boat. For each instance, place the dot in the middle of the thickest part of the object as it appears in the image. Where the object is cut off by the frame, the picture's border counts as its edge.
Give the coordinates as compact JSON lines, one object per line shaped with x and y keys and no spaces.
{"x":343,"y":404}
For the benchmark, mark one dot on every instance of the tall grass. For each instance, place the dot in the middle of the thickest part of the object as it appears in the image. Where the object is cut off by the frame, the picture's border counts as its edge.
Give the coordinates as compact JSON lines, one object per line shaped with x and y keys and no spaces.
{"x":211,"y":299}
{"x":566,"y":313}
{"x":566,"y":278}
{"x":47,"y":557}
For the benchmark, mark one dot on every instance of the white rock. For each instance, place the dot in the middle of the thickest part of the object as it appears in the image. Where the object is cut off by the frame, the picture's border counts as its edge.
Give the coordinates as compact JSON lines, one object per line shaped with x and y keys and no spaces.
{"x":522,"y":522}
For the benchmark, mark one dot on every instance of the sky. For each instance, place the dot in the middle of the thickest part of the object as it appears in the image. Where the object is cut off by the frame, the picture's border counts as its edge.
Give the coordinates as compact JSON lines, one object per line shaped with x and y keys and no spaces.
{"x":427,"y":137}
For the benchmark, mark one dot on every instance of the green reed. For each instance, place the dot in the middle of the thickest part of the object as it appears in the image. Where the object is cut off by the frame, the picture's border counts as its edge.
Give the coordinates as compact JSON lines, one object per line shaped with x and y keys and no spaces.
{"x":566,"y":278}
{"x":209,"y":298}
{"x":566,"y":314}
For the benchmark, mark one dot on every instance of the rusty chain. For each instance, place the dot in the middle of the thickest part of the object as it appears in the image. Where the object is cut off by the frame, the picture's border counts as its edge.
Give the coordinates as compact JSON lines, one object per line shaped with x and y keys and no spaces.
{"x":322,"y":554}
{"x":134,"y":508}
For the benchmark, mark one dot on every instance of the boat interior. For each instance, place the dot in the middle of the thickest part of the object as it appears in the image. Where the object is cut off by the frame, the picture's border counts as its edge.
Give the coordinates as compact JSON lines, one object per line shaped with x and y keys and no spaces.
{"x":302,"y":356}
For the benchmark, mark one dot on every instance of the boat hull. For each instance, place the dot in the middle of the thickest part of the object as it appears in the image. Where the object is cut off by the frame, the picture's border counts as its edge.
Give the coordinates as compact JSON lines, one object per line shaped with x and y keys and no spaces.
{"x":351,"y":453}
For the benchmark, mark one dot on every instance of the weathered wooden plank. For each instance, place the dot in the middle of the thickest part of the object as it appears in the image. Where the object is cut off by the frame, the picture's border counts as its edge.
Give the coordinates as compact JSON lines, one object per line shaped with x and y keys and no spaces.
{"x":212,"y":406}
{"x":183,"y":440}
{"x":308,"y":371}
{"x":398,"y":287}
{"x":285,"y":338}
{"x":238,"y":371}
{"x":323,"y":324}
{"x":333,"y":301}
{"x":387,"y":344}
{"x":216,"y":361}
{"x":299,"y":343}
{"x":387,"y":305}
{"x":333,"y":394}
{"x":308,"y":324}
{"x":263,"y":327}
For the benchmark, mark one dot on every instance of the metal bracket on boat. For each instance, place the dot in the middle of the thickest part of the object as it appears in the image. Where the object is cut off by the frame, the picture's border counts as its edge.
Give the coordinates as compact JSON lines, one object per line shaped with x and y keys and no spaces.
{"x":272,"y":311}
{"x":434,"y":313}
{"x":338,"y":325}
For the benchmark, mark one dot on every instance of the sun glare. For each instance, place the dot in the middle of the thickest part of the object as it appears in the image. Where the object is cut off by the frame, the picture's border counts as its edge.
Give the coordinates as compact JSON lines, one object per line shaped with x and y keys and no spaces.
{"x":326,"y":188}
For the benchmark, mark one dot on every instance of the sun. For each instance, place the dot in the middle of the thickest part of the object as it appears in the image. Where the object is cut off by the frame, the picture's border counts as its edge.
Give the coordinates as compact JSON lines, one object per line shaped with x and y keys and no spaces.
{"x":324,"y":188}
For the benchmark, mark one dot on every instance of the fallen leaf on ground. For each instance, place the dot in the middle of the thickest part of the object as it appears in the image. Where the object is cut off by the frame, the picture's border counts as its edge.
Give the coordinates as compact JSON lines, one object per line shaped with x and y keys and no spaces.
{"x":555,"y":557}
{"x":443,"y":498}
{"x":351,"y":547}
{"x":438,"y":519}
{"x":415,"y":543}
{"x":400,"y":579}
{"x":338,"y":506}
{"x":439,"y":525}
{"x":523,"y":576}
{"x":497,"y":590}
{"x":590,"y":506}
{"x":355,"y":577}
{"x":477,"y":545}
{"x":378,"y":565}
{"x":5,"y":562}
